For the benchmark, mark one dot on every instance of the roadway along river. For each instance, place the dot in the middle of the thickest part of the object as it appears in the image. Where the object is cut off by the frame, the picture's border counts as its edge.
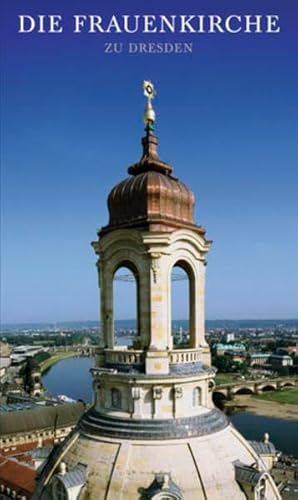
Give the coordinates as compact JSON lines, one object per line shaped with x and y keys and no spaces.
{"x":72,"y":378}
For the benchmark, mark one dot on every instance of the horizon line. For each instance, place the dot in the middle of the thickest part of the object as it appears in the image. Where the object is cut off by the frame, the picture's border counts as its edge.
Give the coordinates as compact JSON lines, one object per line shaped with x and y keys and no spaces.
{"x":134,"y":319}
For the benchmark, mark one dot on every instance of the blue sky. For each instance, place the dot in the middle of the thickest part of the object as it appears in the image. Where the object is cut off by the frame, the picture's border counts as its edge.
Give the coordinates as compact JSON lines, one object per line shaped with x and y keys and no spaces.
{"x":72,"y":124}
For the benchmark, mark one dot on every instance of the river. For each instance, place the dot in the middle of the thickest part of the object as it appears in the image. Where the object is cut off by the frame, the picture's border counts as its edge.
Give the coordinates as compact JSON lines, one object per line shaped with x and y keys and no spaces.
{"x":72,"y":378}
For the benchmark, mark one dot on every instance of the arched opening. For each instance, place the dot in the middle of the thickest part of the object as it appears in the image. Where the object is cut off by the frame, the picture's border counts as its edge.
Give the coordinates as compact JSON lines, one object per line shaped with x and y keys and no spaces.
{"x":60,"y":492}
{"x":261,"y":489}
{"x":116,"y":399}
{"x":182,"y":305}
{"x":211,"y":385}
{"x":268,"y":388}
{"x":243,"y":390}
{"x":196,"y":397}
{"x":219,"y":399}
{"x":125,"y":305}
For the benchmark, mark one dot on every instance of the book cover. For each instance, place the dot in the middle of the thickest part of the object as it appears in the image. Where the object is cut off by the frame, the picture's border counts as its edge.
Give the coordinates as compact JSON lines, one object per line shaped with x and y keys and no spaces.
{"x":216,"y":82}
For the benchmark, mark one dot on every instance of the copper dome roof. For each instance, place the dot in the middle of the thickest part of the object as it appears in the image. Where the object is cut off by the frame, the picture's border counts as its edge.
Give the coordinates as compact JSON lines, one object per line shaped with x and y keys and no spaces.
{"x":151,"y":198}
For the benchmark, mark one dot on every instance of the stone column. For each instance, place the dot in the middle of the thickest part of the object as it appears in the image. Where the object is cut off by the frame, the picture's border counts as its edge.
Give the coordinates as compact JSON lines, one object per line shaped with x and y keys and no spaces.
{"x":144,"y":306}
{"x":200,"y":305}
{"x":158,"y":303}
{"x":107,"y":307}
{"x":157,"y":391}
{"x":137,"y":402}
{"x":177,"y":405}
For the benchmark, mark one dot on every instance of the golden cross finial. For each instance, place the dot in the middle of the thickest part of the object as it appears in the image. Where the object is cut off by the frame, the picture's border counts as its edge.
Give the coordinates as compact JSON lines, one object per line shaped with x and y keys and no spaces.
{"x":149,"y":115}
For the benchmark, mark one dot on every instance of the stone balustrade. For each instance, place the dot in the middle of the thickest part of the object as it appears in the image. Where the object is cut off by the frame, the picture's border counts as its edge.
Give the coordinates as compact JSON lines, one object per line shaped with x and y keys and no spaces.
{"x":179,"y":356}
{"x":124,"y":356}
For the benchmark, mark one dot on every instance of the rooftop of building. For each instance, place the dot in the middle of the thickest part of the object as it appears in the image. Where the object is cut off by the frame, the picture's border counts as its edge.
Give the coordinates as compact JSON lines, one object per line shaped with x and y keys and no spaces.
{"x":263,"y":448}
{"x":280,"y":356}
{"x":260,"y":355}
{"x":17,"y":476}
{"x":46,"y":417}
{"x":16,"y":407}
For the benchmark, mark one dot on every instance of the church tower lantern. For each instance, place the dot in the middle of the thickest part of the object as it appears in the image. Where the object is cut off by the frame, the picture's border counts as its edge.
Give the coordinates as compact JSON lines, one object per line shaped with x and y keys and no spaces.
{"x":152,"y":431}
{"x":151,"y":230}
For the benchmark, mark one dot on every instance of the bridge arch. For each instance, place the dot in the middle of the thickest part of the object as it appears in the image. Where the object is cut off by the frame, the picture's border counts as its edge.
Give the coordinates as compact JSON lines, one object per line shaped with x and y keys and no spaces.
{"x":267,"y":387}
{"x":243,"y":390}
{"x":288,"y":383}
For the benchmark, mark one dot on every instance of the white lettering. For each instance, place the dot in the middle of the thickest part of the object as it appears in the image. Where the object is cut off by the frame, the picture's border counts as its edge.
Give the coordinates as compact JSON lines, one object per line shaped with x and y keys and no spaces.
{"x":79,"y":22}
{"x":26,"y":24}
{"x":41,"y":23}
{"x":272,"y":26}
{"x":186,"y":27}
{"x":250,"y":23}
{"x":201,"y":24}
{"x":149,"y":24}
{"x":126,"y":27}
{"x":55,"y":24}
{"x":214,"y":22}
{"x":133,"y":48}
{"x":229,"y":21}
{"x":113,"y":26}
{"x":95,"y":24}
{"x":170,"y":24}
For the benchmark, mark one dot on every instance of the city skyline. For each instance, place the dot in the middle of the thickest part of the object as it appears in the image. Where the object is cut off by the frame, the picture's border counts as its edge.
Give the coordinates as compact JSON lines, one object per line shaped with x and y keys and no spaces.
{"x":72,"y":124}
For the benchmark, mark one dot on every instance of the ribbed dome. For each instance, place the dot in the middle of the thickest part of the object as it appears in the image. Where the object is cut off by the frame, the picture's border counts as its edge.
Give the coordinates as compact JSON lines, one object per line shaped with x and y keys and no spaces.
{"x":151,"y":197}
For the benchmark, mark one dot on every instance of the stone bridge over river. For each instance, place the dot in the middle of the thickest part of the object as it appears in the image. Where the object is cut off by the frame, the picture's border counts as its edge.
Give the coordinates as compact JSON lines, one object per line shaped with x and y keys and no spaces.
{"x":228,"y":391}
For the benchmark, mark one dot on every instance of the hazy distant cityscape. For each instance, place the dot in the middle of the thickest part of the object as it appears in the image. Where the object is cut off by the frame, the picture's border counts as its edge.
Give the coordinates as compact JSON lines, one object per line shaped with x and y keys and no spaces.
{"x":256,"y":361}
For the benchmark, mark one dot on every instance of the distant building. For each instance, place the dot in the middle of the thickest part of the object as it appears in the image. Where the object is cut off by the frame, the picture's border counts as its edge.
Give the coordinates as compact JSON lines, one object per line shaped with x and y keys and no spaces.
{"x":4,"y":365}
{"x":267,"y":358}
{"x":277,"y":360}
{"x":293,"y":349}
{"x":237,"y":357}
{"x":259,"y":359}
{"x":17,"y":480}
{"x":5,"y":349}
{"x":289,"y":490}
{"x":23,"y":352}
{"x":222,"y":349}
{"x":229,"y":337}
{"x":28,"y":425}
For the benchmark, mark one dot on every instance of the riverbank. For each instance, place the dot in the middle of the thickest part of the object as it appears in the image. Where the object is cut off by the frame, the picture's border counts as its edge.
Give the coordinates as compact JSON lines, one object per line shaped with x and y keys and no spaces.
{"x":55,"y":358}
{"x":264,"y":407}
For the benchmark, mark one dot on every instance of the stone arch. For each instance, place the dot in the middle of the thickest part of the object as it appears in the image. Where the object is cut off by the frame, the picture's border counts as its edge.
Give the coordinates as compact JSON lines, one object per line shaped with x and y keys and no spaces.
{"x":121,"y":247}
{"x":287,"y":384}
{"x":59,"y":491}
{"x":262,"y":486}
{"x":116,"y":398}
{"x":162,"y":488}
{"x":243,"y":390}
{"x":211,"y":385}
{"x":219,"y":399}
{"x":187,"y":268}
{"x":267,"y":387}
{"x":133,"y":278}
{"x":191,"y":248}
{"x":196,"y":396}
